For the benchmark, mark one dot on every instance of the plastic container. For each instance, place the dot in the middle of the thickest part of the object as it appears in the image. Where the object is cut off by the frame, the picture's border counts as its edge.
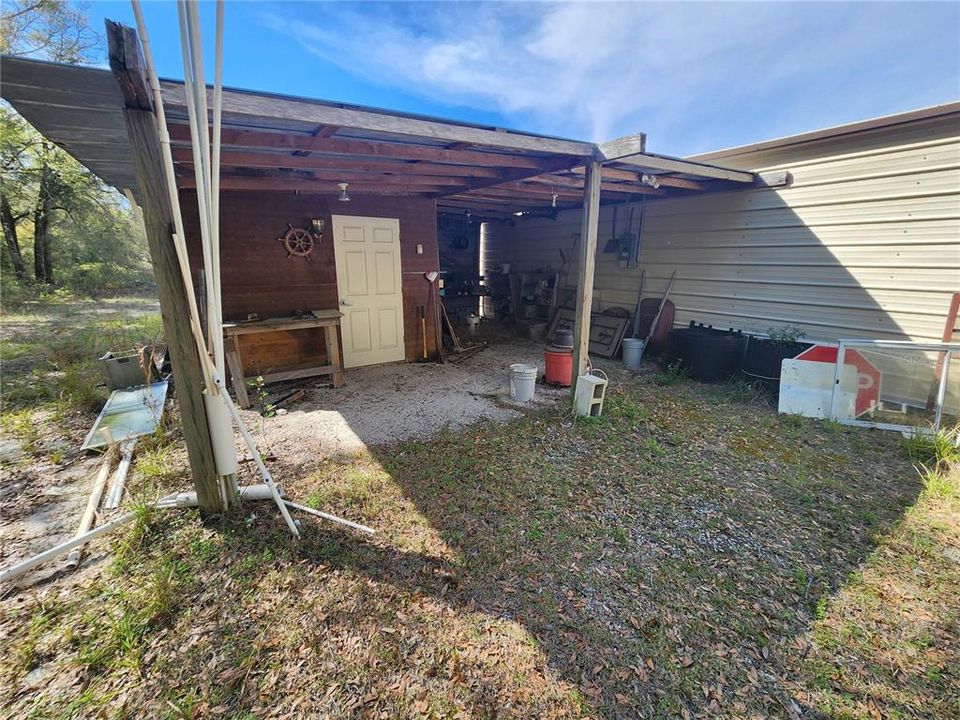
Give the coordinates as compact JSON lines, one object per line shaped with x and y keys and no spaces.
{"x":763,"y":358}
{"x":559,"y":364}
{"x":709,"y":355}
{"x":563,"y":338}
{"x":523,"y":382}
{"x":632,"y":352}
{"x":132,"y":368}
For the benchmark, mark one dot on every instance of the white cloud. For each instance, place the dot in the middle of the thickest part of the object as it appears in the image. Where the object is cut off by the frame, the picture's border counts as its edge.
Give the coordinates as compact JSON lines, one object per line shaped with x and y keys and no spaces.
{"x":603,"y":69}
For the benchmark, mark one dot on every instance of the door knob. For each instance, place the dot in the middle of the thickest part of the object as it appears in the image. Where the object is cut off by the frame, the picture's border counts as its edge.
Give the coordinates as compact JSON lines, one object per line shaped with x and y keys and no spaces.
{"x":344,"y":303}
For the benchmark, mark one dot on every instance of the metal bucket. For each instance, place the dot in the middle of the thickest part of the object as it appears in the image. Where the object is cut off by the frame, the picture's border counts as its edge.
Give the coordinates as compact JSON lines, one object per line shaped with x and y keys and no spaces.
{"x":632,"y":352}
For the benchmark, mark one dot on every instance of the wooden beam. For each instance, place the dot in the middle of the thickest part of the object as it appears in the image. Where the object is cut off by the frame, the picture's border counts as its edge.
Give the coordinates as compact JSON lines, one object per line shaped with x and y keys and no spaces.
{"x":774,"y":178}
{"x":610,"y":173}
{"x":327,"y":131}
{"x":152,"y":195}
{"x":588,"y":258}
{"x":687,"y":167}
{"x":335,"y":176}
{"x":623,"y":147}
{"x":272,"y":108}
{"x":547,"y":166}
{"x":235,"y":158}
{"x":572,"y":182}
{"x":292,"y":141}
{"x":399,"y":187}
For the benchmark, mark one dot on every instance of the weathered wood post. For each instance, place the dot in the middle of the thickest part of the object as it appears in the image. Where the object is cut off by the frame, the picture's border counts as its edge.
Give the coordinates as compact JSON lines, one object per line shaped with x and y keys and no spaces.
{"x":588,"y":259}
{"x":126,"y":61}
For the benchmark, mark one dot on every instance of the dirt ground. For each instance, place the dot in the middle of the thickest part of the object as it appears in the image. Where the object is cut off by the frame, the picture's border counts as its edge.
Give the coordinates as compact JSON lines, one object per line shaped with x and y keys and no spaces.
{"x":390,"y":403}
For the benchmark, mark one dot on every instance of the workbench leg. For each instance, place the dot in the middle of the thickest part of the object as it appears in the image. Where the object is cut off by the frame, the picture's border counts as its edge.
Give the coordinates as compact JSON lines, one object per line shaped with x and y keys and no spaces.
{"x":232,"y":353}
{"x":331,"y":334}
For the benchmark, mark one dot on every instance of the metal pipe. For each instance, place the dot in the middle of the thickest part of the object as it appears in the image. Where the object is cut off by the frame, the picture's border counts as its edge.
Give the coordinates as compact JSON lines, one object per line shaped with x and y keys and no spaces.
{"x":834,"y":395}
{"x":942,"y":390}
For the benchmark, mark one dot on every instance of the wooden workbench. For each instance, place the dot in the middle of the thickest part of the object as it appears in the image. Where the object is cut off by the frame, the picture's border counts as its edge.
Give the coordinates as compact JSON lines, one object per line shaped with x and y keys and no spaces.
{"x":327,"y":320}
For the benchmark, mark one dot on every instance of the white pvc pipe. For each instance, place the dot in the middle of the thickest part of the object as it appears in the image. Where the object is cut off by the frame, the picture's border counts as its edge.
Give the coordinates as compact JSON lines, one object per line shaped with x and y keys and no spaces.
{"x":246,"y":492}
{"x":19,"y":569}
{"x":202,"y":177}
{"x":328,"y":516}
{"x":171,"y":178}
{"x":90,"y":512}
{"x":120,"y":476}
{"x":211,"y":377}
{"x":255,"y":453}
{"x":218,"y":355}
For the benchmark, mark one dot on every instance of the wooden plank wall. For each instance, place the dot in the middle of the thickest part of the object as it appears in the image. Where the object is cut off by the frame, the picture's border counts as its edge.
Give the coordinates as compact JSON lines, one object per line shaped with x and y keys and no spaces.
{"x":258,"y":277}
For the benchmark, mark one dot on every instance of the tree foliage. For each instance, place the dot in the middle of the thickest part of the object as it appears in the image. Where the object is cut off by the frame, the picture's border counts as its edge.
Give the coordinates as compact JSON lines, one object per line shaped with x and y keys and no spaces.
{"x":84,"y":235}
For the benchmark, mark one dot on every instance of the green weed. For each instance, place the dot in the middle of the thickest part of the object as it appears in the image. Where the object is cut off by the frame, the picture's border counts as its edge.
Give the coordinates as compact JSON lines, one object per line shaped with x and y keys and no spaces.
{"x":672,"y":374}
{"x":938,"y":450}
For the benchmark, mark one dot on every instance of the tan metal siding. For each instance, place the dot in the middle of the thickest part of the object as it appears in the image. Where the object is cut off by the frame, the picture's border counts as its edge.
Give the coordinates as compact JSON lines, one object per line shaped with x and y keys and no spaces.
{"x":864,"y":243}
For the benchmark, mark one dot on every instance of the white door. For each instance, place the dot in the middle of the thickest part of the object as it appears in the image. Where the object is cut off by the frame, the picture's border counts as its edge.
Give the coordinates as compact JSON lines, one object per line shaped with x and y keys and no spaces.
{"x":367,"y":252}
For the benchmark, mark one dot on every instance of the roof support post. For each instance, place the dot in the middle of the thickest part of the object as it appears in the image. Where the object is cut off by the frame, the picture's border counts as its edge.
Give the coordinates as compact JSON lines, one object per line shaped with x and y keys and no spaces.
{"x":152,"y":195}
{"x":588,"y":259}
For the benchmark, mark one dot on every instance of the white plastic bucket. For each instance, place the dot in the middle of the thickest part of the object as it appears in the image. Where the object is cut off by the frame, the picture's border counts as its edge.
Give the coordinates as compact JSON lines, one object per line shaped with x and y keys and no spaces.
{"x":523,"y":382}
{"x":632,"y":351}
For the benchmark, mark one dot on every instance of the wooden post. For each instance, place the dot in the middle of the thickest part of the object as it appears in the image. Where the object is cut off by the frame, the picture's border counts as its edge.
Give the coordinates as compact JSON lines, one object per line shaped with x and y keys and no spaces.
{"x":588,"y":259}
{"x":127,"y":64}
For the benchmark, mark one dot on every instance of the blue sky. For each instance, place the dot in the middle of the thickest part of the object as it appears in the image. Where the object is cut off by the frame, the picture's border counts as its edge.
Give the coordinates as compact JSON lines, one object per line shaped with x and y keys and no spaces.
{"x":693,"y":76}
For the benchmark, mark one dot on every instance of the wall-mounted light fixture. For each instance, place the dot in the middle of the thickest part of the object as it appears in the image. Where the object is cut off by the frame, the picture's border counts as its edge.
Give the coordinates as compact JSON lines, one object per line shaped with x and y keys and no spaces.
{"x":317,"y":225}
{"x":651,"y":180}
{"x":553,"y":200}
{"x":344,"y":196}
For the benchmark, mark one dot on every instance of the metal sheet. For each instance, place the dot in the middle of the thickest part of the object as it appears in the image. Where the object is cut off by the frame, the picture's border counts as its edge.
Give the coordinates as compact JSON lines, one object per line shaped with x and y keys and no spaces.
{"x":128,"y":414}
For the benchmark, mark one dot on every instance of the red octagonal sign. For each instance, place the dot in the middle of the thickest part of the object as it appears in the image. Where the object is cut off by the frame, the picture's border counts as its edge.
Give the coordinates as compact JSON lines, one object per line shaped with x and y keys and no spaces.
{"x":868,"y":377}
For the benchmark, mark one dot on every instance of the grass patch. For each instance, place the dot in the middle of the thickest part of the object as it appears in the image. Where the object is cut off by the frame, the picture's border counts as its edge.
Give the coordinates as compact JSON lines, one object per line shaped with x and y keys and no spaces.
{"x":937,"y":450}
{"x":689,"y":553}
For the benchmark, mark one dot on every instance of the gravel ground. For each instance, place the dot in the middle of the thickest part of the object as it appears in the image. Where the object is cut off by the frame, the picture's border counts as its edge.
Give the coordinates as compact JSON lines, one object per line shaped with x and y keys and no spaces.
{"x":387,"y":403}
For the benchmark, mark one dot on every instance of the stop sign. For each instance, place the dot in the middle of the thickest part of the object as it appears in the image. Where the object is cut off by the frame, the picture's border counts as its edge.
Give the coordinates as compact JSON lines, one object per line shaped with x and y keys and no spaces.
{"x":868,"y":377}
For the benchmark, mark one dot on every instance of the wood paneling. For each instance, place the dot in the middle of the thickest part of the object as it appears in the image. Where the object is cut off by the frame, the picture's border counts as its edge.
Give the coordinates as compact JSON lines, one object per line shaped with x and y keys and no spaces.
{"x":258,"y":277}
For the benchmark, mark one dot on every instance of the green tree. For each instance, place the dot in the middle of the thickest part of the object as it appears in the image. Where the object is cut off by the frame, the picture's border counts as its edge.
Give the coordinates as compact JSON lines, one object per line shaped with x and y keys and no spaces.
{"x":78,"y":225}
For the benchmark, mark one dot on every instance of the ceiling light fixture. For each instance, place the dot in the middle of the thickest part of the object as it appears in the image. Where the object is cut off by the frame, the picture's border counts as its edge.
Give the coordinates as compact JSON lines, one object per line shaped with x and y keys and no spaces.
{"x":343,"y":196}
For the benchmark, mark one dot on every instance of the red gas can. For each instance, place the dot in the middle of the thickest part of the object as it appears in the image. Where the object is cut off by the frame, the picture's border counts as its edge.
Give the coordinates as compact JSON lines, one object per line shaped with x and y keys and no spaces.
{"x":559,"y":364}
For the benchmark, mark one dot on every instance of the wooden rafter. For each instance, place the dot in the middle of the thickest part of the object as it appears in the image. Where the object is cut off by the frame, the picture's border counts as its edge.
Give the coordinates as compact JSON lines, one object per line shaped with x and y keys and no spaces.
{"x":267,"y":140}
{"x":384,"y":187}
{"x":511,"y":176}
{"x":235,"y":158}
{"x":335,"y":176}
{"x":610,"y":173}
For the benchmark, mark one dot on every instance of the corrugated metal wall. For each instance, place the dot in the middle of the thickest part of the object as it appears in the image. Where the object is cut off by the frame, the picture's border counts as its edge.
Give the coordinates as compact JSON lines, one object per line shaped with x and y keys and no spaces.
{"x":864,"y":243}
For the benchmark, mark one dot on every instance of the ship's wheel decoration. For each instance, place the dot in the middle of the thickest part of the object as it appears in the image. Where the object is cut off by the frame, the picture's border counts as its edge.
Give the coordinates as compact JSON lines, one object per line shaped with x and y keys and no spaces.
{"x":298,"y":242}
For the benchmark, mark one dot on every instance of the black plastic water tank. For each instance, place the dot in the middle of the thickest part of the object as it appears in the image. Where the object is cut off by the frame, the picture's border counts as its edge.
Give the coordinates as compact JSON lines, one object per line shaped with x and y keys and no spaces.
{"x":709,"y":355}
